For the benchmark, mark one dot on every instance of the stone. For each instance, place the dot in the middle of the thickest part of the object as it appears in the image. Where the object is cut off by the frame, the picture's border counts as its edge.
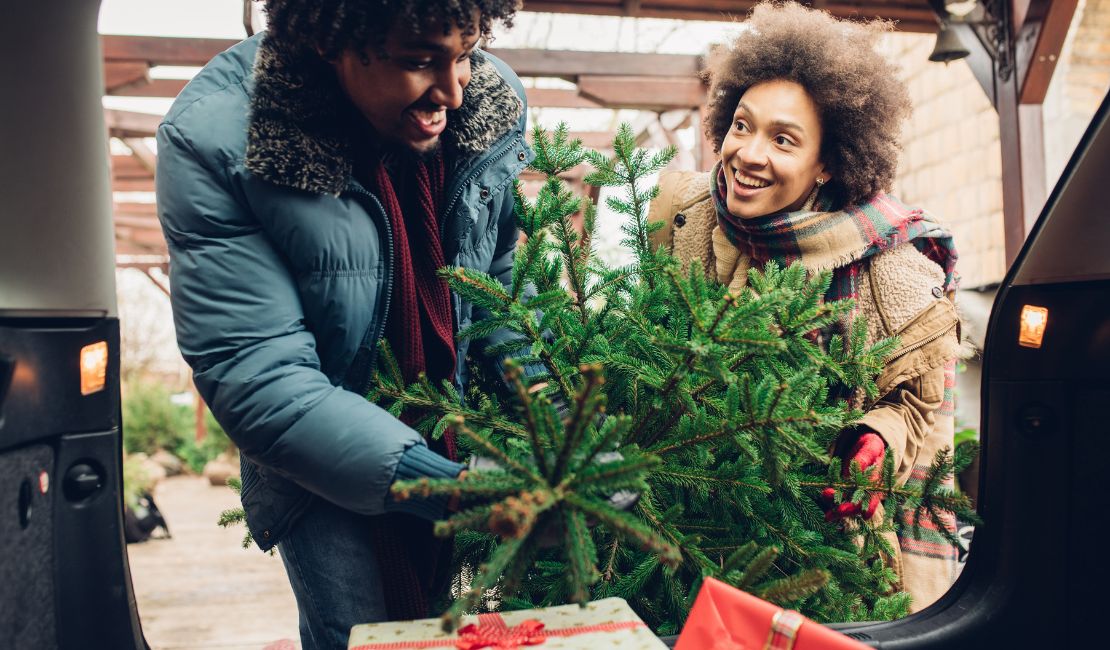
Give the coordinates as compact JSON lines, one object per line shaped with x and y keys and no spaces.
{"x":219,"y":470}
{"x":170,"y":463}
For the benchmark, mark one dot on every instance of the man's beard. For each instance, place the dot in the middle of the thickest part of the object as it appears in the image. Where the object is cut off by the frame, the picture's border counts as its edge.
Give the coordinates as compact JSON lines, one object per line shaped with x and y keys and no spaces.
{"x":402,"y":154}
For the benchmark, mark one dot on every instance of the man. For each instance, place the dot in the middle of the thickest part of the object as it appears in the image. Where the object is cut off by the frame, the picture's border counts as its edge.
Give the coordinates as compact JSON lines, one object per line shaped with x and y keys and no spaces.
{"x":310,"y":181}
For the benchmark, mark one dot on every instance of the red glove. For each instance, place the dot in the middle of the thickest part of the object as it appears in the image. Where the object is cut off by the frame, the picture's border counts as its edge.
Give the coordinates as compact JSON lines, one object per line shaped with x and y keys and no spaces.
{"x":868,"y":452}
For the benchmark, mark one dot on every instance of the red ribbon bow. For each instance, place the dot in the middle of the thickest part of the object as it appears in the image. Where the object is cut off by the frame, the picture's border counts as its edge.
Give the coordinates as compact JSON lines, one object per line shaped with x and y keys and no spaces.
{"x":493,"y":633}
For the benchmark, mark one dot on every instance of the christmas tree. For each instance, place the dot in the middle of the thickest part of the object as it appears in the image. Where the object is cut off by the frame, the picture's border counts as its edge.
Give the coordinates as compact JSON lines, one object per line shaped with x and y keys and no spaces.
{"x":716,"y":410}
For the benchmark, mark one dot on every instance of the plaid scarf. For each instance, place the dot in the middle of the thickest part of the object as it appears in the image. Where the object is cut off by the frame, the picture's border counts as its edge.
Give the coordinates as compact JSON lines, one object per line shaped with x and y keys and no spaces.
{"x":839,"y":241}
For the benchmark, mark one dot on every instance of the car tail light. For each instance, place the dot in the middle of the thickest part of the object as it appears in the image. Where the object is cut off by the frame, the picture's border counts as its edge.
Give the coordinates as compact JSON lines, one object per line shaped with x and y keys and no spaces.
{"x":94,"y":367}
{"x":1033,"y":321}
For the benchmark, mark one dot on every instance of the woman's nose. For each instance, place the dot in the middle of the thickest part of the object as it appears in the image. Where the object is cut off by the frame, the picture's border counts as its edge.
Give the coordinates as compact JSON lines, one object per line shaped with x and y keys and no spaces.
{"x":753,"y":152}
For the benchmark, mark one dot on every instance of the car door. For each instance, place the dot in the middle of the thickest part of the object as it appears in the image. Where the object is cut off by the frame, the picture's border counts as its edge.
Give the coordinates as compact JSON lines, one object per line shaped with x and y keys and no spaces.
{"x":64,"y":580}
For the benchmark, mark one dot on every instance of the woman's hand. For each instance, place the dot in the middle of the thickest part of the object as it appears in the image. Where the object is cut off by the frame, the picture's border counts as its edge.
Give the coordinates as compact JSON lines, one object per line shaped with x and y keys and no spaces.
{"x":867,"y":452}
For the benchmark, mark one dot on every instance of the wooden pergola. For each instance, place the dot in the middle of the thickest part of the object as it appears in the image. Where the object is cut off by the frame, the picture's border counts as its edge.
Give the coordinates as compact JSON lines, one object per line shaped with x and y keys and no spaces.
{"x":1014,"y":47}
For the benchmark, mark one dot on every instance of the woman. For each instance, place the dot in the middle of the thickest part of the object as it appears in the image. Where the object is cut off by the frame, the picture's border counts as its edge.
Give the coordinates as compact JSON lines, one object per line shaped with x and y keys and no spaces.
{"x":806,"y":117}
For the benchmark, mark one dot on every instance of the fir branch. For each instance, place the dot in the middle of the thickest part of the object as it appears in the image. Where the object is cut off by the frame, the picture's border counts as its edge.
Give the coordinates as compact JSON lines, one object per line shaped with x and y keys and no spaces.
{"x":696,"y":480}
{"x":794,"y":588}
{"x":535,"y":437}
{"x":627,"y":526}
{"x":586,"y":403}
{"x":581,"y":557}
{"x":751,"y":425}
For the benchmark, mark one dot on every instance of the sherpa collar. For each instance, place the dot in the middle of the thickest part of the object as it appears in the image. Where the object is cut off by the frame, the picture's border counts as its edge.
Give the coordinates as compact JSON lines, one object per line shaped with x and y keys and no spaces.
{"x":296,"y":137}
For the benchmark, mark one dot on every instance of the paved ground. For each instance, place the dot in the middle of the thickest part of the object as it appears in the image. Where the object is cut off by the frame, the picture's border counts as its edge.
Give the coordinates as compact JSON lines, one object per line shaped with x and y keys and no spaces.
{"x":200,"y":589}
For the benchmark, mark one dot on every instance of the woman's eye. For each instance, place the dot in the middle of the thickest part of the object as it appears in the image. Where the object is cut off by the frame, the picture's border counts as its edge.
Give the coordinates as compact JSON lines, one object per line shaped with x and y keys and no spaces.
{"x":783,"y":141}
{"x":740,"y":125}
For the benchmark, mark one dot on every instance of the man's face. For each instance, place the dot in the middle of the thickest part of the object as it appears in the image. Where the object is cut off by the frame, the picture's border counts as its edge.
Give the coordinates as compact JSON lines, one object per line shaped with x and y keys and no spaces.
{"x":406,"y":94}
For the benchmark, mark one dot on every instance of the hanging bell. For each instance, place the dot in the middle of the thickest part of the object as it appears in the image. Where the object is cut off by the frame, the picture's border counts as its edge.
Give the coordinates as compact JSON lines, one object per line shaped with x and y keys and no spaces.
{"x":948,"y":47}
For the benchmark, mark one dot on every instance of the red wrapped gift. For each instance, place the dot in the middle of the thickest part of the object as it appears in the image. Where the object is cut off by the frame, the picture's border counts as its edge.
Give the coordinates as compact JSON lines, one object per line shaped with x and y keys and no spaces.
{"x":725,"y":618}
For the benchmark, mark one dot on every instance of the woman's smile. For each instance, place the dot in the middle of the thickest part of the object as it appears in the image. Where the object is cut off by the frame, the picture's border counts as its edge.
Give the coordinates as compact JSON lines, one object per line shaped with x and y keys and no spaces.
{"x":745,"y":186}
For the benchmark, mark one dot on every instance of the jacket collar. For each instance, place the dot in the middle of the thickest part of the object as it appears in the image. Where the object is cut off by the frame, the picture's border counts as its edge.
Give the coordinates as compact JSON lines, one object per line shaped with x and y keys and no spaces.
{"x":296,"y":139}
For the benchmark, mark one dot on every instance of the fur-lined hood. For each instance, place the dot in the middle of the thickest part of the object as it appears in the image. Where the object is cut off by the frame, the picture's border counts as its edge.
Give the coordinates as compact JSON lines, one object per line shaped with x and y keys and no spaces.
{"x":296,"y":137}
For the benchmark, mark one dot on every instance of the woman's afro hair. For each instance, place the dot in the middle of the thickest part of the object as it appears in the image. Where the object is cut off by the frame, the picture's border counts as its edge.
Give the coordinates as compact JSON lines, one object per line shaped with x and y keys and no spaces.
{"x":861,"y":101}
{"x":332,"y":26}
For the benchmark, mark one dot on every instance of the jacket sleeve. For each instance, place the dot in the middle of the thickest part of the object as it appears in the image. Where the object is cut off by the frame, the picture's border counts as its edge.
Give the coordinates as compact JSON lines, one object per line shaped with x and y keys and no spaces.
{"x":240,"y":326}
{"x":905,"y":417}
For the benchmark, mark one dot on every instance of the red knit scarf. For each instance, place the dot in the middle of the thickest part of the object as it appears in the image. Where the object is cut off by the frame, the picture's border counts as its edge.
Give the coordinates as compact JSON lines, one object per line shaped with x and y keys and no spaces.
{"x":420,"y":329}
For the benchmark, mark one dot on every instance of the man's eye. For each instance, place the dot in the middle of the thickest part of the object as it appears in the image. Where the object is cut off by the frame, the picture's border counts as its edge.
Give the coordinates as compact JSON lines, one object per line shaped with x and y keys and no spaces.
{"x":740,"y":125}
{"x":417,"y":64}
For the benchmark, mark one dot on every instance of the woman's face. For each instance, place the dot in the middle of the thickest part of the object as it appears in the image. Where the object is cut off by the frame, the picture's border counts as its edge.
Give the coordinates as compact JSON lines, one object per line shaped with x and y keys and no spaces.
{"x":771,"y":153}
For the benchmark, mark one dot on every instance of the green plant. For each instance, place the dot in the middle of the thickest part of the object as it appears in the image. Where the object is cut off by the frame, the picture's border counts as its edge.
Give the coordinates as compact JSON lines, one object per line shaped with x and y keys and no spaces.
{"x":198,"y":454}
{"x":151,"y":421}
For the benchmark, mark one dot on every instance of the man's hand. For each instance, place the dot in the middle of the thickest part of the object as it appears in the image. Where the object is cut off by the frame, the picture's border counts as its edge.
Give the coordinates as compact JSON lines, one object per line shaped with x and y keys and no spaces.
{"x":453,"y":502}
{"x":867,"y":452}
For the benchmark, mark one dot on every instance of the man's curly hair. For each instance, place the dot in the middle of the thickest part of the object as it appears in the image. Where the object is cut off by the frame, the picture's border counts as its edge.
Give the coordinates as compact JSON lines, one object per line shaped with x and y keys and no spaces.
{"x":861,"y":101}
{"x":332,"y":26}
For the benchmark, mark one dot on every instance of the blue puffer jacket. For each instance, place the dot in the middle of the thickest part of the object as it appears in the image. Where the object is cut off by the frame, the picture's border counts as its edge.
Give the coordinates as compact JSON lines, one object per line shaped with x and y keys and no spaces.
{"x":281,"y":269}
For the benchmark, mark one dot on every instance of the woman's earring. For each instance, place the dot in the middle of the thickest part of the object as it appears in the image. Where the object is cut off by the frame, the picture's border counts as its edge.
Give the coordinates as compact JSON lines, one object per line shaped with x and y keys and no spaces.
{"x":820,"y":182}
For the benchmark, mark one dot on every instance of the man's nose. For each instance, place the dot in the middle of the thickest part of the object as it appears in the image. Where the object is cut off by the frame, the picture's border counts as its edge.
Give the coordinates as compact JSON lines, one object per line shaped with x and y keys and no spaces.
{"x":449,"y":84}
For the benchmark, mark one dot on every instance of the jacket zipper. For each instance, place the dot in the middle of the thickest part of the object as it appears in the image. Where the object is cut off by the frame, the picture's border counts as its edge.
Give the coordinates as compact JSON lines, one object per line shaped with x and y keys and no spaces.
{"x":375,"y":331}
{"x":923,"y":342}
{"x":470,"y":177}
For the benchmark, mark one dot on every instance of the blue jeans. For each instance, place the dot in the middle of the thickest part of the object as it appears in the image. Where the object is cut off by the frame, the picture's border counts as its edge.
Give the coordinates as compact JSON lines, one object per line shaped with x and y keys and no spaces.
{"x":334,"y":574}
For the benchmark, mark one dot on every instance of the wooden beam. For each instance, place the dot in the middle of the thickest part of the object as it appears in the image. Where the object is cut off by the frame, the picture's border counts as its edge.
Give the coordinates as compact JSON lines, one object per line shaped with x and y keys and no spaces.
{"x":600,"y":140}
{"x":1039,"y":43}
{"x":143,"y":261}
{"x":145,"y":239}
{"x":150,"y":88}
{"x":910,"y":16}
{"x":125,"y":167}
{"x":130,"y":124}
{"x":127,"y":249}
{"x":138,"y":213}
{"x":119,"y":74}
{"x":161,"y":50}
{"x":133,"y":184}
{"x":565,"y":63}
{"x":653,"y":94}
{"x":142,"y":153}
{"x":1023,"y":184}
{"x":557,"y":98}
